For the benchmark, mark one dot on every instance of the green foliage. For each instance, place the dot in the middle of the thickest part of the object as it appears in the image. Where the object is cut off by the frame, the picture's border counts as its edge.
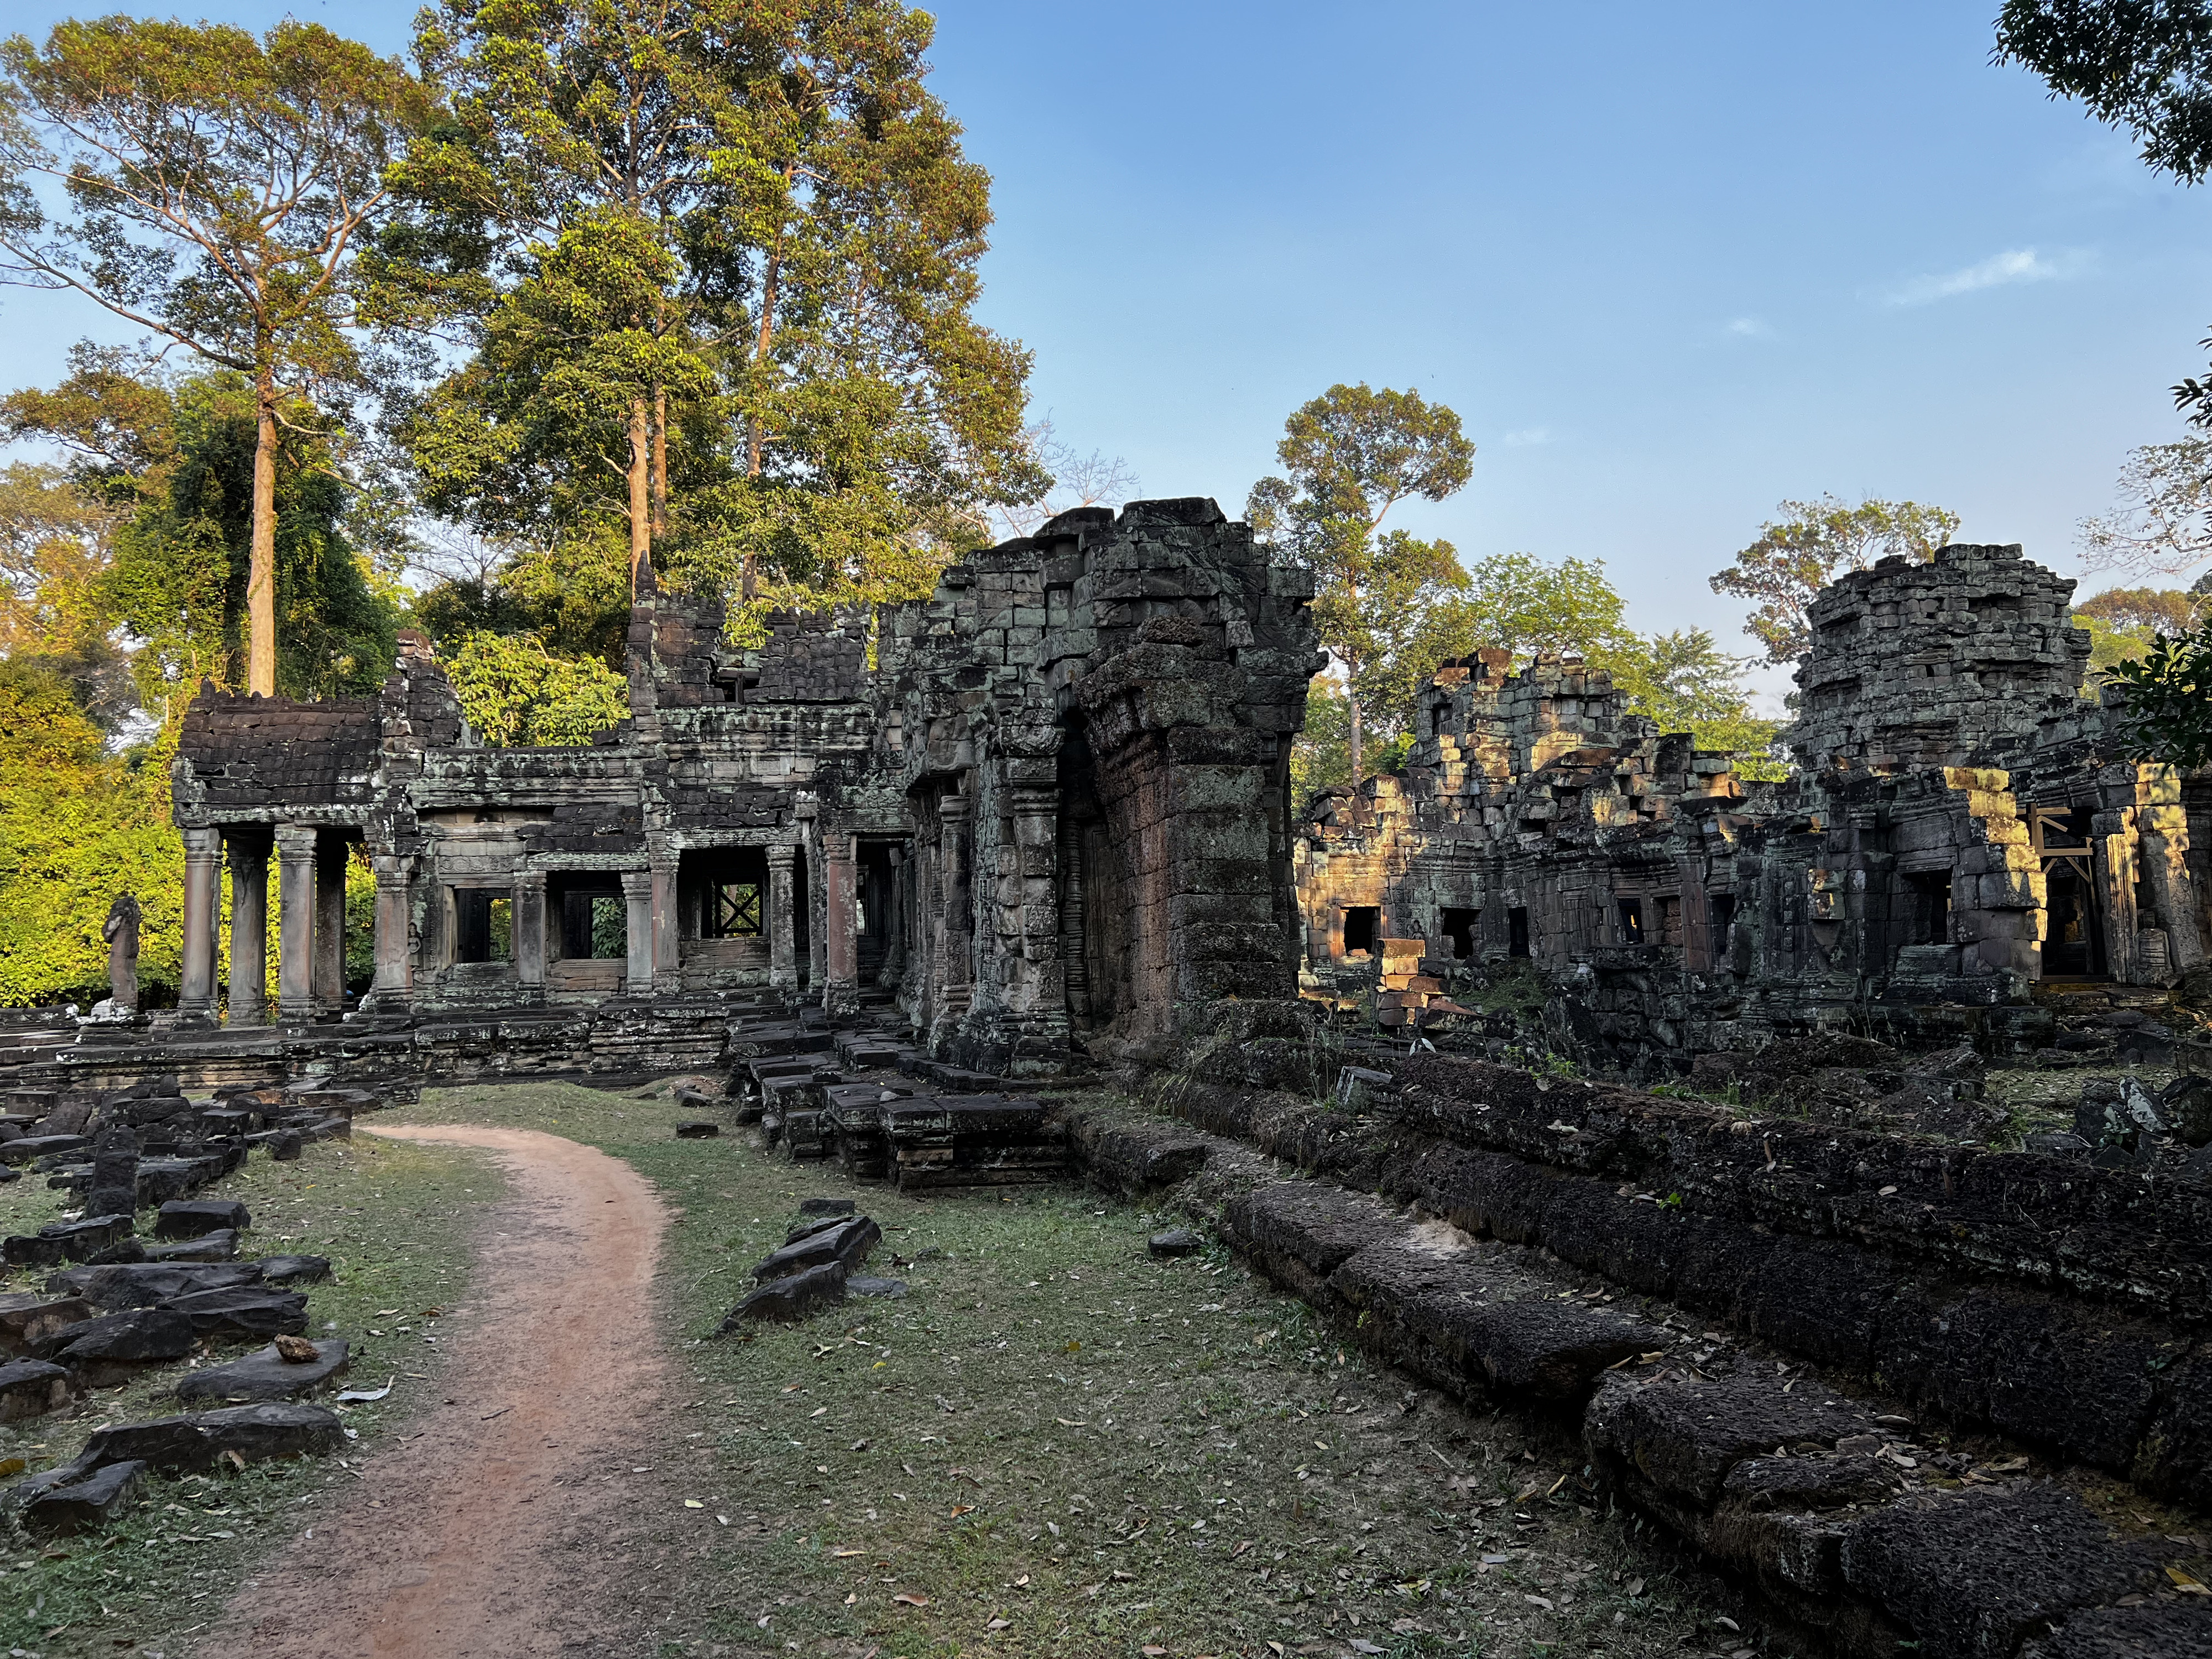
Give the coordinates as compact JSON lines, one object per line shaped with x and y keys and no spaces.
{"x":2110,"y":644}
{"x":2166,"y":697}
{"x":54,"y":548}
{"x":1686,"y":683}
{"x":719,"y":266}
{"x":515,"y":694}
{"x":1809,"y":546}
{"x":175,"y":461}
{"x":77,"y":827}
{"x":2154,"y":609}
{"x":2143,"y":65}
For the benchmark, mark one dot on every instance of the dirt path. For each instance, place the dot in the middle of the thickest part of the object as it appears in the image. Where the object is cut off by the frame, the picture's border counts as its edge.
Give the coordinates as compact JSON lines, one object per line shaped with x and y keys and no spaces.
{"x":461,"y":1538}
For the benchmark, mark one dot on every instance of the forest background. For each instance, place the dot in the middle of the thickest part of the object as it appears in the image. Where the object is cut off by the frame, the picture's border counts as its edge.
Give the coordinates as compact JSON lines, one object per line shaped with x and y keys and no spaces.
{"x":466,"y":342}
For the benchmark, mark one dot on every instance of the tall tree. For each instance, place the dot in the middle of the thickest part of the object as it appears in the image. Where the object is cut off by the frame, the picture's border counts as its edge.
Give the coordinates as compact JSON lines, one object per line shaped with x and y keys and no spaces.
{"x":174,"y":461}
{"x":1353,"y":454}
{"x":740,"y":239}
{"x":1811,"y":544}
{"x":219,"y":190}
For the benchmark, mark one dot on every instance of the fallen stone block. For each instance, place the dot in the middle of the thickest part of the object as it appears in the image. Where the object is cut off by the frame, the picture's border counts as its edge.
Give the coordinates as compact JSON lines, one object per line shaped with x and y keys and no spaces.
{"x":197,"y":1441}
{"x":697,"y":1131}
{"x":27,"y":1319}
{"x":1175,"y":1241}
{"x":267,"y":1374}
{"x":293,"y":1269}
{"x":66,"y":1241}
{"x":889,"y":1288}
{"x":85,"y":1504}
{"x":32,"y":1387}
{"x":847,"y":1244}
{"x":190,"y":1218}
{"x":219,"y":1246}
{"x":790,"y":1298}
{"x":147,"y":1284}
{"x":239,"y":1311}
{"x":1972,"y":1574}
{"x":28,"y":1149}
{"x":109,"y":1347}
{"x":1299,"y":1232}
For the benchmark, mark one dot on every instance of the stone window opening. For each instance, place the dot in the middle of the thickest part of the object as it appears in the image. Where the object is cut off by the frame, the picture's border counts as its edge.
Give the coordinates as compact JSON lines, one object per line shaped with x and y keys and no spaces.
{"x":1363,"y":926}
{"x":732,"y":911}
{"x":1927,"y":895}
{"x":484,"y":924}
{"x":1516,"y":934}
{"x":1722,"y":907}
{"x":594,"y":926}
{"x":1458,"y":925}
{"x":1631,"y":920}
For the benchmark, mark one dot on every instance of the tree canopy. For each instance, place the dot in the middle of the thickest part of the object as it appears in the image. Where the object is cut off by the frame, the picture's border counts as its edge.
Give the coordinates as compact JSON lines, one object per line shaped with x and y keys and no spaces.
{"x":1353,"y":454}
{"x":219,"y":190}
{"x":1808,"y":545}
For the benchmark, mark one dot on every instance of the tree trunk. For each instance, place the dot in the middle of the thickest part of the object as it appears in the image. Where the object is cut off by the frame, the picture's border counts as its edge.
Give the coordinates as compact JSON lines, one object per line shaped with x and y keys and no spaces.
{"x":757,"y":434}
{"x":641,"y":490}
{"x":1354,"y":701}
{"x":659,"y":462}
{"x":261,"y":568}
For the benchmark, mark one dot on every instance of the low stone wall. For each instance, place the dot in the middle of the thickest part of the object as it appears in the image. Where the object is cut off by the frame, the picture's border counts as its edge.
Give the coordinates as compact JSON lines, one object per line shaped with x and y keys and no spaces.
{"x":1822,"y":1495}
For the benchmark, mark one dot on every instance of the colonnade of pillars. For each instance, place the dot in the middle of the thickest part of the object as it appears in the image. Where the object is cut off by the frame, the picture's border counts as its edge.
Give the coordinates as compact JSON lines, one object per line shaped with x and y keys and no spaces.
{"x":311,"y":867}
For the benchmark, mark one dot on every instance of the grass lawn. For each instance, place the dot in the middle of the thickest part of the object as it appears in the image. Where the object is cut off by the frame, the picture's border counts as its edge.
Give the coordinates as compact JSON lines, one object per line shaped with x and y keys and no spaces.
{"x":394,"y":1219}
{"x":1055,"y":1444}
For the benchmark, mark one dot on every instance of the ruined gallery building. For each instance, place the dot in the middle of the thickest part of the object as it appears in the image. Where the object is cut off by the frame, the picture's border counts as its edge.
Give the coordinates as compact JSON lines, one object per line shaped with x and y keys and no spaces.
{"x":1051,"y":804}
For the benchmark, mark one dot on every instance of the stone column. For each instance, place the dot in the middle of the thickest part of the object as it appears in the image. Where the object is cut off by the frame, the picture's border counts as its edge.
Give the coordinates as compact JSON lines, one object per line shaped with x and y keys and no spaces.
{"x":330,"y":855}
{"x":296,"y":923}
{"x":637,"y":899}
{"x":840,"y":977}
{"x":894,"y":922}
{"x":817,"y":910}
{"x":203,"y":908}
{"x":782,"y":934}
{"x":667,"y":934}
{"x":1074,"y":964}
{"x":394,"y":990}
{"x":956,"y":972}
{"x":249,"y":924}
{"x":529,"y":895}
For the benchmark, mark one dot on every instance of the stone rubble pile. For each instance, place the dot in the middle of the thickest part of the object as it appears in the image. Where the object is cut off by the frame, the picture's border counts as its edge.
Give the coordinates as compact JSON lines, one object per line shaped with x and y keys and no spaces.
{"x":113,"y":1303}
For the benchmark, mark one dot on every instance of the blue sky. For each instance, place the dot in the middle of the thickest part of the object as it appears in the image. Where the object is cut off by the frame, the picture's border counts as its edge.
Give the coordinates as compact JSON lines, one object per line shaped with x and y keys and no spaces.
{"x":1671,"y":264}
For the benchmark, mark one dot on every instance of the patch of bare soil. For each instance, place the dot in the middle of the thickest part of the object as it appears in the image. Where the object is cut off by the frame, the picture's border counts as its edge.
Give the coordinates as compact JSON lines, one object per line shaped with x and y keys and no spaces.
{"x":463,"y":1537}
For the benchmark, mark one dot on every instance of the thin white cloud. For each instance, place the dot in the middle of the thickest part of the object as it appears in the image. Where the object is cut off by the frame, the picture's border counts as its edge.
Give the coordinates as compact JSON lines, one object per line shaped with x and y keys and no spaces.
{"x":1750,"y":328}
{"x":1528,"y":437}
{"x":2013,"y":266}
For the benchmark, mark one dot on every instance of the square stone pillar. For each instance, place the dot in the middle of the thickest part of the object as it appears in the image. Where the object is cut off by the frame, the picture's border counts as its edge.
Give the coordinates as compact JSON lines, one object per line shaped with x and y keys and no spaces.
{"x":840,"y":990}
{"x":330,"y":855}
{"x":529,"y":914}
{"x":248,"y":846}
{"x":956,"y":969}
{"x":782,"y":920}
{"x":203,"y":908}
{"x":296,"y":923}
{"x":818,"y":911}
{"x":667,"y":931}
{"x":393,"y":993}
{"x":637,"y":900}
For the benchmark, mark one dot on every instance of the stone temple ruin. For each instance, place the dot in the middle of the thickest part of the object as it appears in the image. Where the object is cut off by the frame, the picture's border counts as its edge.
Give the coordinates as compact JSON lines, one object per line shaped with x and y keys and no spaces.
{"x":912,"y":886}
{"x":1960,"y":842}
{"x":1043,"y":807}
